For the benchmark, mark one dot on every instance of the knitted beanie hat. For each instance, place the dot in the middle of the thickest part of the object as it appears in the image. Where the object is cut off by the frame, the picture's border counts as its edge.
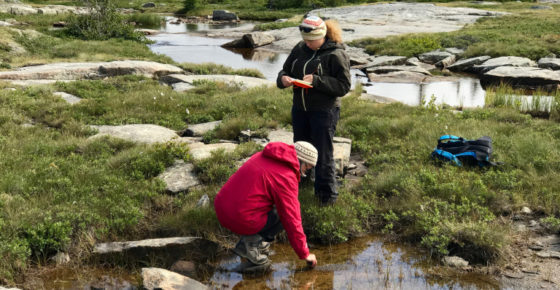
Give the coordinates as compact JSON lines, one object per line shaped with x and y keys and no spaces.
{"x":306,"y":152}
{"x":313,"y":28}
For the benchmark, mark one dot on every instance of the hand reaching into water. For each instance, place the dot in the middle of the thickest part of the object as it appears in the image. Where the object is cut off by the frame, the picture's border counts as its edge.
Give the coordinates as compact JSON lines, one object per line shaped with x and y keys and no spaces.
{"x":311,"y":261}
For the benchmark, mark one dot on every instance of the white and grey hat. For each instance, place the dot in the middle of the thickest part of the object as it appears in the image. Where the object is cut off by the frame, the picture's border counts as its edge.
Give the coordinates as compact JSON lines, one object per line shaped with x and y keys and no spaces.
{"x":306,"y":152}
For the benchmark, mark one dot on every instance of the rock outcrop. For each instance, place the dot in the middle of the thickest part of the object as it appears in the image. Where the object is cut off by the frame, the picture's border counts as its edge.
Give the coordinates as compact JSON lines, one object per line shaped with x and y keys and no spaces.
{"x":180,"y":177}
{"x":89,"y":70}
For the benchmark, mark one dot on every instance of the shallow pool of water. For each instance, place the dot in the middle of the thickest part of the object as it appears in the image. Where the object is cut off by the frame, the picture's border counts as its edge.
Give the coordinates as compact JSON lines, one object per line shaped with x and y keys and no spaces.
{"x":362,"y":263}
{"x":182,"y":44}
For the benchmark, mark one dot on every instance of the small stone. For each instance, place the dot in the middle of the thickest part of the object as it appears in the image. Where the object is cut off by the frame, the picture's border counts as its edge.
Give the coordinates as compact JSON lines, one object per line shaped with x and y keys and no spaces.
{"x":549,"y":254}
{"x":186,"y":268}
{"x":533,"y":223}
{"x":204,"y":201}
{"x":455,"y":261}
{"x":61,"y":258}
{"x":526,"y":210}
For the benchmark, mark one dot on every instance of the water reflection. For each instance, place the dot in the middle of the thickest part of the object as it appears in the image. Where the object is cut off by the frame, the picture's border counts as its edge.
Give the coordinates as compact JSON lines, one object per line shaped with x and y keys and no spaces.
{"x":464,"y":92}
{"x":192,"y":48}
{"x":365,"y":263}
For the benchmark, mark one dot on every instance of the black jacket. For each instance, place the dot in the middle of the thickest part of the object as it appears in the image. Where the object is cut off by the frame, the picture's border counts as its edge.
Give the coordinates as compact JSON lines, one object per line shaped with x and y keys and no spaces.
{"x":331,"y":68}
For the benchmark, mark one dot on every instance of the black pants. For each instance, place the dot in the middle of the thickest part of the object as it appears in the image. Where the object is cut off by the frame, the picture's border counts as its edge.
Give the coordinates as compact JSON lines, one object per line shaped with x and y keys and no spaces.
{"x":317,"y":128}
{"x":272,"y":227}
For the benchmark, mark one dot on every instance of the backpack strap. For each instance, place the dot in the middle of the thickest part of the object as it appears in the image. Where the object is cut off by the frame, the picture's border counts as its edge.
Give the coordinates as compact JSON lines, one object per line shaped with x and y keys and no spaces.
{"x":441,"y":154}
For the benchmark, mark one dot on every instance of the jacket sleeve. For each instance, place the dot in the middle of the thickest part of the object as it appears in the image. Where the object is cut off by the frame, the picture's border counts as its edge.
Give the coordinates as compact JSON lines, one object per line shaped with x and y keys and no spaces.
{"x":286,"y":69}
{"x":285,"y":195}
{"x":338,"y":83}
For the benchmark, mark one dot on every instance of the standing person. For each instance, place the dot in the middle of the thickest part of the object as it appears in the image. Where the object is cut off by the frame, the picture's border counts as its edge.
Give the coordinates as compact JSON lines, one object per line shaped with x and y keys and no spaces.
{"x":261,"y":199}
{"x":320,"y":59}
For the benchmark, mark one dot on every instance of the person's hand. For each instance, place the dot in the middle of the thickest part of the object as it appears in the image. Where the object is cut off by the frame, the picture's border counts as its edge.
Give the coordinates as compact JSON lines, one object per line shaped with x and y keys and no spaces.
{"x":308,"y":78}
{"x":311,"y":261}
{"x":286,"y":81}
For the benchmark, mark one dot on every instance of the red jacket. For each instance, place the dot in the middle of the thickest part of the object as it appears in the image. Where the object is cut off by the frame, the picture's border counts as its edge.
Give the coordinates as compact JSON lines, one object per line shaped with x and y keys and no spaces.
{"x":269,"y":178}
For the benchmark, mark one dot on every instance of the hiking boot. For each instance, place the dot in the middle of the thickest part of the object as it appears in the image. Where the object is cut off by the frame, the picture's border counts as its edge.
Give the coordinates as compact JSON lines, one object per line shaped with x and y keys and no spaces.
{"x":248,"y":248}
{"x":264,"y":247}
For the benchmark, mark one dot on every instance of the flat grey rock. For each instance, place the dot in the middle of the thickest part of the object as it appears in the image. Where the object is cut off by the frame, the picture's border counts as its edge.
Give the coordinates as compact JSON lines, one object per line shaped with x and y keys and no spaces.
{"x":395,"y":68}
{"x":89,"y":70}
{"x":180,"y":177}
{"x":521,"y":76}
{"x":435,"y":56}
{"x":242,"y":81}
{"x":467,"y":64}
{"x":201,"y":151}
{"x":70,"y":99}
{"x":140,"y":133}
{"x":198,"y":130}
{"x":514,"y":61}
{"x":117,"y":247}
{"x":156,"y":278}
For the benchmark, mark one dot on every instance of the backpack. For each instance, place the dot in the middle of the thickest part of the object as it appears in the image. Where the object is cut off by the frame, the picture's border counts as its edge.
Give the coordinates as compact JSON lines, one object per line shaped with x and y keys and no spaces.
{"x":459,"y":151}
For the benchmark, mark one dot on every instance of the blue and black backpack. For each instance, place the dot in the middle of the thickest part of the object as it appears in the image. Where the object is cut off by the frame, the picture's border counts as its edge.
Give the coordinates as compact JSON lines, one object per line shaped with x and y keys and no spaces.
{"x":459,"y":151}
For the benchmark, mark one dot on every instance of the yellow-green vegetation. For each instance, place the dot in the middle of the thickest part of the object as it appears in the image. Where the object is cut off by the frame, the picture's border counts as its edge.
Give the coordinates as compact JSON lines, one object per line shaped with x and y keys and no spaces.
{"x":537,"y":103}
{"x":525,"y":32}
{"x":212,"y":68}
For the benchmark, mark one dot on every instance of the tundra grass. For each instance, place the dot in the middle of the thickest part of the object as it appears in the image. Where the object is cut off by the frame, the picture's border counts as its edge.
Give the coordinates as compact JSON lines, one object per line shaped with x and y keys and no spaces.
{"x":525,"y":32}
{"x":63,"y":192}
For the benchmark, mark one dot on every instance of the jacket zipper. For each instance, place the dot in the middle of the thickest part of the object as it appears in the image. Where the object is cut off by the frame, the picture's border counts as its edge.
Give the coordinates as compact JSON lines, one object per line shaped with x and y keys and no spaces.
{"x":302,"y":90}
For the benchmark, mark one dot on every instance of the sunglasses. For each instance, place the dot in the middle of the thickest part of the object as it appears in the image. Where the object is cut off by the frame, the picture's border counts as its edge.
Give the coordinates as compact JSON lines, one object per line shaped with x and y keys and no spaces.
{"x":306,"y":29}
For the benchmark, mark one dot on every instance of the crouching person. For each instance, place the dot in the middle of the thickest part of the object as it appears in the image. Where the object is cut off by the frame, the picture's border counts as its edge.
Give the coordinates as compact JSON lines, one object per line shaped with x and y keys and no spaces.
{"x":261,"y":199}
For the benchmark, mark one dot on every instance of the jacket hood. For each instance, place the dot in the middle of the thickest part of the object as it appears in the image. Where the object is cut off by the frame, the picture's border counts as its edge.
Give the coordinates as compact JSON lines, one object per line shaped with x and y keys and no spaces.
{"x":284,"y":153}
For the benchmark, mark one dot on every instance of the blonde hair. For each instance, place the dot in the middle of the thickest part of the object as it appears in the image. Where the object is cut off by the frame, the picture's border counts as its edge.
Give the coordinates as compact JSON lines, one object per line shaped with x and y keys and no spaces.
{"x":334,"y":32}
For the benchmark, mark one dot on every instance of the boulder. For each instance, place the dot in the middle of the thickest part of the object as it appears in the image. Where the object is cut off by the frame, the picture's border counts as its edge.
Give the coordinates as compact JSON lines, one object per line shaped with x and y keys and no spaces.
{"x":514,"y":61}
{"x":224,"y":15}
{"x":251,"y":40}
{"x":140,"y":133}
{"x":434,"y":57}
{"x":467,"y":64}
{"x":530,"y":77}
{"x":156,"y":278}
{"x":180,"y":177}
{"x":201,"y":129}
{"x":550,"y":63}
{"x":149,"y":5}
{"x":4,"y":23}
{"x":70,"y":99}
